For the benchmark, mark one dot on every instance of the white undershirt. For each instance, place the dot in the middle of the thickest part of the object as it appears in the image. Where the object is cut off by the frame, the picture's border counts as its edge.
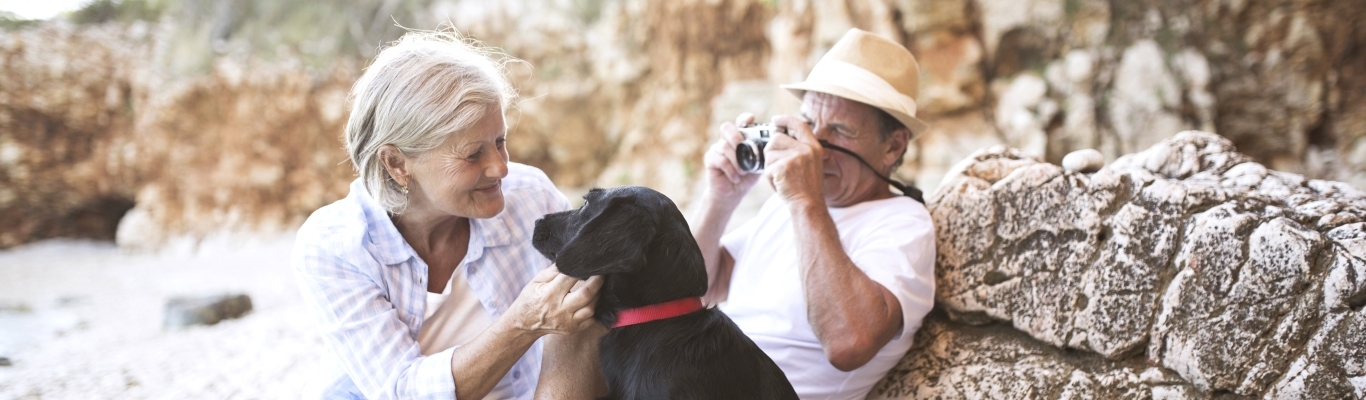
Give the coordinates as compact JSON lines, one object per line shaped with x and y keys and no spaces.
{"x":455,"y":317}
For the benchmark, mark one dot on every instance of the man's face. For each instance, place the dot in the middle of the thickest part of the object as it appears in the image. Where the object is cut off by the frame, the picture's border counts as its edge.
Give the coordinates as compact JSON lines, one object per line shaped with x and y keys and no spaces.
{"x":854,"y":126}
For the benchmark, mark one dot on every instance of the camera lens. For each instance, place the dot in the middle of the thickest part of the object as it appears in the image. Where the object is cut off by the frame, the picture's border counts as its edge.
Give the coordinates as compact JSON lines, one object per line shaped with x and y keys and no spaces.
{"x":750,"y":156}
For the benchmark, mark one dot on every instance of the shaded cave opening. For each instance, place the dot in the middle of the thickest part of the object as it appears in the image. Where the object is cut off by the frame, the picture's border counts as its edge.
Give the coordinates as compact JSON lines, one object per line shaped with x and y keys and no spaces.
{"x":97,"y":219}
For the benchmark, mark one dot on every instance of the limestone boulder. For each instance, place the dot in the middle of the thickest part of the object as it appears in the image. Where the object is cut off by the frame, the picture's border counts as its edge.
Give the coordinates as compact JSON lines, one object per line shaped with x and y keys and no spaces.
{"x":1186,"y":262}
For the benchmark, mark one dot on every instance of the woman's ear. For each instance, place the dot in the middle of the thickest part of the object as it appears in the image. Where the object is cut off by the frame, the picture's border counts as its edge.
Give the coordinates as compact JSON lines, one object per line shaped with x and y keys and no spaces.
{"x":395,"y":163}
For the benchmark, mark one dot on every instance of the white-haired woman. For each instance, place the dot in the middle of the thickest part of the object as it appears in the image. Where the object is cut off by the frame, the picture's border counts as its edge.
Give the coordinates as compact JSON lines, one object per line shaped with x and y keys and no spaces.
{"x":423,"y":278}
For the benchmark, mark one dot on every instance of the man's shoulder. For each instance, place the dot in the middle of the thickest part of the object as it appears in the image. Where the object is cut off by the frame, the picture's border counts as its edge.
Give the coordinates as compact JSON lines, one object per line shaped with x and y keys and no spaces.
{"x":899,"y":212}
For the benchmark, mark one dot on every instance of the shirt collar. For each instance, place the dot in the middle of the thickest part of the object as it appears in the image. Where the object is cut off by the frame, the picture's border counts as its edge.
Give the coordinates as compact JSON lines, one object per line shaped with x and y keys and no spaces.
{"x":383,"y":241}
{"x":500,"y":230}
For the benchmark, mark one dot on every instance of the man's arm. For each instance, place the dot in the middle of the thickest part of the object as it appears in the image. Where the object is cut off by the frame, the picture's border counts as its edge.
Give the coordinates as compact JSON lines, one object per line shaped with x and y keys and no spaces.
{"x":711,"y":225}
{"x":852,"y":315}
{"x":726,"y":186}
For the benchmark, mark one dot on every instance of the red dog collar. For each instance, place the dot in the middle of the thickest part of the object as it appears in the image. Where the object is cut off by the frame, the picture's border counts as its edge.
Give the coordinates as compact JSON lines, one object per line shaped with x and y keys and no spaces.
{"x":655,"y":312}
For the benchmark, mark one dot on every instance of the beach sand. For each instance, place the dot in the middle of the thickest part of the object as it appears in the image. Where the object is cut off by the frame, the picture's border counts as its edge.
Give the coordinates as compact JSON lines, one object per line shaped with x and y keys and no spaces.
{"x":83,"y":320}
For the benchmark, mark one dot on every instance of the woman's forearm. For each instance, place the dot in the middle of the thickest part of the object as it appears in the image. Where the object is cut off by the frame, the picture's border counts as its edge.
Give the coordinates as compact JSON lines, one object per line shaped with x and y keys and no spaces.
{"x":569,"y":367}
{"x":477,"y":366}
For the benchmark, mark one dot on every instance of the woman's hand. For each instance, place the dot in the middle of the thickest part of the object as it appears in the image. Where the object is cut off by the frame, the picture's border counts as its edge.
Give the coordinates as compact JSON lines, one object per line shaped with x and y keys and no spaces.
{"x":726,"y":183}
{"x":555,"y":303}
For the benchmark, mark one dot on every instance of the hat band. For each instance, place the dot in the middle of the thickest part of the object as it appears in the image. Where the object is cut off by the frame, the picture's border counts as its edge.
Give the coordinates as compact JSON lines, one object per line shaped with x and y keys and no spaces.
{"x":864,"y":82}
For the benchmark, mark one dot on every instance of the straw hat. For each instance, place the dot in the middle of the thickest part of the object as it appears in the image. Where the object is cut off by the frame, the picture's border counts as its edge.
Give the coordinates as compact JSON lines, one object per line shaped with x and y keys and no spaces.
{"x":872,"y":70}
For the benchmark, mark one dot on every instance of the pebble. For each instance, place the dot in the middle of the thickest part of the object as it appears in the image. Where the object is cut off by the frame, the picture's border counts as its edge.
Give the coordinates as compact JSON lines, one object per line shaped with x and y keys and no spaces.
{"x":1084,"y":161}
{"x":185,"y":311}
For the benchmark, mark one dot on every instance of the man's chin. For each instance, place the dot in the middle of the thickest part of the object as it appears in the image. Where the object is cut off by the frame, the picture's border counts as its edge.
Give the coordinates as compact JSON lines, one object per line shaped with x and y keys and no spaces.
{"x":832,"y":187}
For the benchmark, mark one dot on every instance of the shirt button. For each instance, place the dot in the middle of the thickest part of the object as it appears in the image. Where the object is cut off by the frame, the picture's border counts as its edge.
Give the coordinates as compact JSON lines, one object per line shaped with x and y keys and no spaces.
{"x":516,"y":374}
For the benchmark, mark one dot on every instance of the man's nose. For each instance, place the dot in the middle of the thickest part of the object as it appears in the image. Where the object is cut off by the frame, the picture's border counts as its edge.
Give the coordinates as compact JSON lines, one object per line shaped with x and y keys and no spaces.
{"x":823,"y":136}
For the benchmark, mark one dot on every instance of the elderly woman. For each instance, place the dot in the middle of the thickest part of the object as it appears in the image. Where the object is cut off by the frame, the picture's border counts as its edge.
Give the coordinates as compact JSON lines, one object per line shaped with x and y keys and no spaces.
{"x":423,"y":278}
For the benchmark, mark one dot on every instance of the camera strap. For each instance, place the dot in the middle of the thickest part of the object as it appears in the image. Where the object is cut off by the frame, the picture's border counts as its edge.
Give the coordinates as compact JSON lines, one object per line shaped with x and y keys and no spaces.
{"x":908,"y":190}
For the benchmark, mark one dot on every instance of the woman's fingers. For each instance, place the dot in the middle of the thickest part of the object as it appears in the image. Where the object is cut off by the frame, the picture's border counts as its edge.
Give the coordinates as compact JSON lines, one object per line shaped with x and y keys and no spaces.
{"x":583,"y":314}
{"x":581,"y":298}
{"x":546,"y":274}
{"x":558,"y":285}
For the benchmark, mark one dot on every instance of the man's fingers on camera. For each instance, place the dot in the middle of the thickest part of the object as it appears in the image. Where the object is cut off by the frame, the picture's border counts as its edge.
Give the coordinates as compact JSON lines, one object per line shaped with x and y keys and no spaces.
{"x":718,"y":157}
{"x":744,"y":119}
{"x":731,"y":134}
{"x":796,"y":127}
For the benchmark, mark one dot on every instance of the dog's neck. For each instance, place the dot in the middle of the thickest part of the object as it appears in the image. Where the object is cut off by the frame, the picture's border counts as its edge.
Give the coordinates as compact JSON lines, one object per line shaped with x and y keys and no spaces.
{"x":655,"y":312}
{"x":622,"y":292}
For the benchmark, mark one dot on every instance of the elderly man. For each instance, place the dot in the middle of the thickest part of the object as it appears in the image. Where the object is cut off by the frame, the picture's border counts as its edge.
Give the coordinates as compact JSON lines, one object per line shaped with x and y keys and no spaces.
{"x":833,"y":276}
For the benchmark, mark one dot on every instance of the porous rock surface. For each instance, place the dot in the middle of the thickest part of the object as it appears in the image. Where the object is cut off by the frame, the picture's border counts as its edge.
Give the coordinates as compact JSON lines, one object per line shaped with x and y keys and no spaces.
{"x":1183,"y":271}
{"x":216,"y":115}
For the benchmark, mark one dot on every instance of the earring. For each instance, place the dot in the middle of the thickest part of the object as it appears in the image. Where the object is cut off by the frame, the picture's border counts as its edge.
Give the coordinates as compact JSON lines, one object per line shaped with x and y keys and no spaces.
{"x":405,"y":190}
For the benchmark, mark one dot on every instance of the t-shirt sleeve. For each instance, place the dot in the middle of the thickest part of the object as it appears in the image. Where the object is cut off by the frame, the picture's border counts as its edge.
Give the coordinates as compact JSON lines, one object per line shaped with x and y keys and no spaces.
{"x":900,"y":257}
{"x":734,"y":241}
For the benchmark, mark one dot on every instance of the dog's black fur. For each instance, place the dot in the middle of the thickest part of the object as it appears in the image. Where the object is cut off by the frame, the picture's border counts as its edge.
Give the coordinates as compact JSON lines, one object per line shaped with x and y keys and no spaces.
{"x":639,"y":242}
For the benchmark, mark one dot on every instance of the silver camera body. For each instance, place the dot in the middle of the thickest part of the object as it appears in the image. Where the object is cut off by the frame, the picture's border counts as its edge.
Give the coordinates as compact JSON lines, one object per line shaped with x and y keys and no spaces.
{"x":749,"y":154}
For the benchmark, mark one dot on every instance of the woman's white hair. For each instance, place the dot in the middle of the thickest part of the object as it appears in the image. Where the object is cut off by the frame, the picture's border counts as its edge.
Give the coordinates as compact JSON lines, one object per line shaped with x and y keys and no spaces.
{"x":423,"y":87}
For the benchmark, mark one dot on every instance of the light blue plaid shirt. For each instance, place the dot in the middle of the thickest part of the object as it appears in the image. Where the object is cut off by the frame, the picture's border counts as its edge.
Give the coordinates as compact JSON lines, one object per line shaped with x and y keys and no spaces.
{"x":368,"y":288}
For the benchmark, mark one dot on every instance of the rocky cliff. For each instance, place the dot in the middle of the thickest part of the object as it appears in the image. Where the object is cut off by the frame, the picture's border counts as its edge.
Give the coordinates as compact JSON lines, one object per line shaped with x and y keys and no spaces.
{"x":227,"y":115}
{"x":1183,"y":271}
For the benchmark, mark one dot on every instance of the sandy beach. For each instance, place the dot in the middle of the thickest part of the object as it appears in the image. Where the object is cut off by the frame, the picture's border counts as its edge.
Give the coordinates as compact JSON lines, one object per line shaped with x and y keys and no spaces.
{"x":83,"y":320}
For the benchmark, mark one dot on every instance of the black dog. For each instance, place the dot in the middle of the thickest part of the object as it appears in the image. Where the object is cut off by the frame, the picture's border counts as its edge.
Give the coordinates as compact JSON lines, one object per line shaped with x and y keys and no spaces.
{"x":639,"y":242}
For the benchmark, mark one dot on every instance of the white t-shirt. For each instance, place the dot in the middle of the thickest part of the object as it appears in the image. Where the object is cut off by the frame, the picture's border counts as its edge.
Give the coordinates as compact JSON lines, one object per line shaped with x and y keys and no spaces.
{"x":455,"y":317}
{"x":891,"y":240}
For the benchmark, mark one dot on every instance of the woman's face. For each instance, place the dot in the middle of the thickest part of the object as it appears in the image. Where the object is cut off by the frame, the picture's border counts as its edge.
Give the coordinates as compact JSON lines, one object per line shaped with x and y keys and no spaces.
{"x":463,"y":175}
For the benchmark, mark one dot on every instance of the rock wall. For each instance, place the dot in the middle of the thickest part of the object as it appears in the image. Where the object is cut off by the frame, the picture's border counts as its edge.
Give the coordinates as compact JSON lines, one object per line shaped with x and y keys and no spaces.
{"x":1183,"y":271}
{"x":227,"y":115}
{"x":1284,"y":80}
{"x":92,"y":133}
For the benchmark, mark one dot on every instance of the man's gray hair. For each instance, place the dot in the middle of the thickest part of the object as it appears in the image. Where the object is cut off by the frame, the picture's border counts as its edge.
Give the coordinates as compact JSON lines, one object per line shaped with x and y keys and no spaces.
{"x":886,"y":124}
{"x":419,"y":90}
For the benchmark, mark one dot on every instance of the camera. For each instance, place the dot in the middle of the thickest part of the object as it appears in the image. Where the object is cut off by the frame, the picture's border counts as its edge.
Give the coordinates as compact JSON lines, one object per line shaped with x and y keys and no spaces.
{"x":749,"y":154}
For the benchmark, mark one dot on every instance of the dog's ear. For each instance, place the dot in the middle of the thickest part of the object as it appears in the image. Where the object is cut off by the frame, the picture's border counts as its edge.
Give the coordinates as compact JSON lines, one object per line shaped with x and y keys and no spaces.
{"x":615,"y":240}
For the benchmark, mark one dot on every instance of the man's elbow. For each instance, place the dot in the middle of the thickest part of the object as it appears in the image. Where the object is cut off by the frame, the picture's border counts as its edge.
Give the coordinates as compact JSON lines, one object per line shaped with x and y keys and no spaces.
{"x":851,"y":354}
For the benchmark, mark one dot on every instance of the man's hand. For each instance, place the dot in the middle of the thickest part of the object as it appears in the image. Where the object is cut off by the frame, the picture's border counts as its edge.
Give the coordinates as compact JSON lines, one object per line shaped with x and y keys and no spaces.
{"x":796,"y":165}
{"x":726,"y":183}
